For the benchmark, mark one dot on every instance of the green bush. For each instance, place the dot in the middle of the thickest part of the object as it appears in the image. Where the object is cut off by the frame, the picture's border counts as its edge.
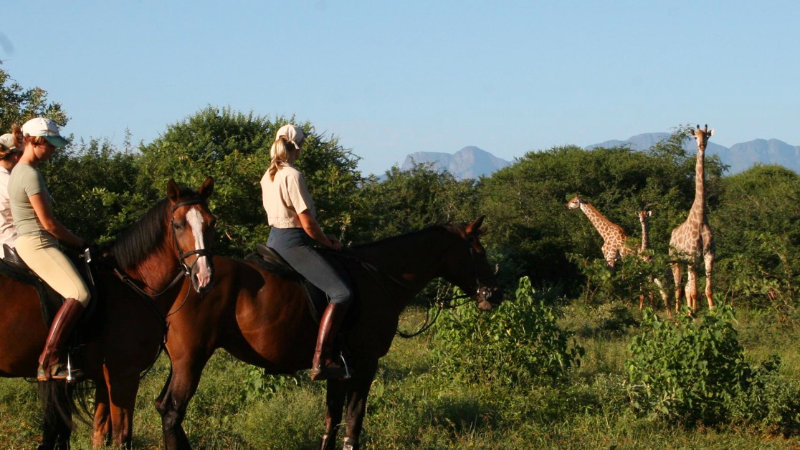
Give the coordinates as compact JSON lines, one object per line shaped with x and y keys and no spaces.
{"x":689,"y":371}
{"x":517,"y":343}
{"x":770,"y":400}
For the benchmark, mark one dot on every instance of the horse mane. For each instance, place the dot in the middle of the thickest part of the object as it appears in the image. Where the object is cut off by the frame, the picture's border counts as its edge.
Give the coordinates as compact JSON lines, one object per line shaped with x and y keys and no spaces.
{"x":136,"y":242}
{"x":457,"y":229}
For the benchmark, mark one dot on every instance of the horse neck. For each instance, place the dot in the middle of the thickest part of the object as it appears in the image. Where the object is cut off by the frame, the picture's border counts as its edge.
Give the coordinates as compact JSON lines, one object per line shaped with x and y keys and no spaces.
{"x":158,"y":269}
{"x":412,"y":260}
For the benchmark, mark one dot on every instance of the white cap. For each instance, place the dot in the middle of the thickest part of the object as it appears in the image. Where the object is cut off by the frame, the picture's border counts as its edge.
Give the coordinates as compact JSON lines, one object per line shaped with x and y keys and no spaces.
{"x":7,"y":143}
{"x":42,"y":126}
{"x":292,"y":134}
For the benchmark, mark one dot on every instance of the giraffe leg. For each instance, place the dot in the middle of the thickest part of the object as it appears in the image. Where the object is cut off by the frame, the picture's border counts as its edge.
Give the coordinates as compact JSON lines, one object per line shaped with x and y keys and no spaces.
{"x":691,"y":289}
{"x":709,"y":264}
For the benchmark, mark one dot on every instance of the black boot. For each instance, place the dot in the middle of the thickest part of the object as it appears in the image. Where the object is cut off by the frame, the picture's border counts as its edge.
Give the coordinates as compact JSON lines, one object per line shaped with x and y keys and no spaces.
{"x":325,"y":366}
{"x":52,"y":362}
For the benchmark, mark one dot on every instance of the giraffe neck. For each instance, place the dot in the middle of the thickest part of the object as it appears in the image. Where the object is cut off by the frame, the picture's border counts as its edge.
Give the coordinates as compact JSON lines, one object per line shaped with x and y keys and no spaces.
{"x":645,"y":236}
{"x":699,"y":205}
{"x":599,"y":221}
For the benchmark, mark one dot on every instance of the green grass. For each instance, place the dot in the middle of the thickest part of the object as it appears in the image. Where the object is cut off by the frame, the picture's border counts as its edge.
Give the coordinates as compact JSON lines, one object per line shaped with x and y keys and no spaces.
{"x":411,"y":405}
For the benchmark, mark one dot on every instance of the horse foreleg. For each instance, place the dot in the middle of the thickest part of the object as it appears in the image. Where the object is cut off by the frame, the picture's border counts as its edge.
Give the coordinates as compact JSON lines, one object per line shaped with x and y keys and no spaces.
{"x":357,"y":393}
{"x":334,"y":404}
{"x":101,"y":428}
{"x":171,"y":404}
{"x":123,"y":401}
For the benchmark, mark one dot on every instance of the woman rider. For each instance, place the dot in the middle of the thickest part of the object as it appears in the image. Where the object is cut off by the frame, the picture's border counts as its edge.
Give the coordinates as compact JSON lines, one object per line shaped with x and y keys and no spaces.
{"x":291,"y":214}
{"x":39,"y":233}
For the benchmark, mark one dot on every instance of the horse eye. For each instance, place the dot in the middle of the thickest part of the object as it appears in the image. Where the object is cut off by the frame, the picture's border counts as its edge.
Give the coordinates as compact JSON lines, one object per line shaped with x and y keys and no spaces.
{"x":180,"y":225}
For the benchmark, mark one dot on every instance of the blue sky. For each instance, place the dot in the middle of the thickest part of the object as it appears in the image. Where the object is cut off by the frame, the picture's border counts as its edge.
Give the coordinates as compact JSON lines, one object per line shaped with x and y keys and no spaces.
{"x":392,"y":78}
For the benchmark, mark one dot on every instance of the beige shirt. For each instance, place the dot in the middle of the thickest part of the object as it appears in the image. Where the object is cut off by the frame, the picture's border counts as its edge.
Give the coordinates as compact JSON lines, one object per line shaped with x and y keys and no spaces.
{"x":8,"y":234}
{"x":285,"y":197}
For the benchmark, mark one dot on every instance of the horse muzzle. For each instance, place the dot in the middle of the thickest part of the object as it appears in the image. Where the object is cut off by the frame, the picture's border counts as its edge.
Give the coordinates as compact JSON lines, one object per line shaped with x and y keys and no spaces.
{"x":202,"y":274}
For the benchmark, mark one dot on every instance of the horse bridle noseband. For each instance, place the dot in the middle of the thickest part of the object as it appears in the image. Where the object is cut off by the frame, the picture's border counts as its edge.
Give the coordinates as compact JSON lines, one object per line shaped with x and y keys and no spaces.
{"x":187,"y":270}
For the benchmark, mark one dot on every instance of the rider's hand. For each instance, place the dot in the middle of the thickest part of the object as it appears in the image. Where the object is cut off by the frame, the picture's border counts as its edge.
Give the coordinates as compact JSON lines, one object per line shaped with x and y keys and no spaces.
{"x":335,"y":244}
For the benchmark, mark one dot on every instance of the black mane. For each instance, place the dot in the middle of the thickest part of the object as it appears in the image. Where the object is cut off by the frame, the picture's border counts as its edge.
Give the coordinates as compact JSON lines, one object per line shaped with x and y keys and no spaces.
{"x":134,"y":244}
{"x":451,"y":228}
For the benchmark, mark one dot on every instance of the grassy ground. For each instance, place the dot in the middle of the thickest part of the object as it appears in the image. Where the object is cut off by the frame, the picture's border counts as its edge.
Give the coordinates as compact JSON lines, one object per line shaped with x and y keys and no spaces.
{"x":413,"y":406}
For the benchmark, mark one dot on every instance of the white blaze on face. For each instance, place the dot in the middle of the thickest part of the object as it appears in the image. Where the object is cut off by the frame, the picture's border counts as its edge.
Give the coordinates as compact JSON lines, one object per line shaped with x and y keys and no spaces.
{"x":195,"y":220}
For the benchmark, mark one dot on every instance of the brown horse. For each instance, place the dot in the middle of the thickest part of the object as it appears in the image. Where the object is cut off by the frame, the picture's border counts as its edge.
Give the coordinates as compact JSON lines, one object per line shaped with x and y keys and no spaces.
{"x":265,"y":320}
{"x":123,"y":334}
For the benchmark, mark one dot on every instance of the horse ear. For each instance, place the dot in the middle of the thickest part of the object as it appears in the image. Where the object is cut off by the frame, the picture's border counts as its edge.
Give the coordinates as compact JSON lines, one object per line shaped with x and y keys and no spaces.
{"x":173,"y":191}
{"x":207,"y":188}
{"x":475,"y":226}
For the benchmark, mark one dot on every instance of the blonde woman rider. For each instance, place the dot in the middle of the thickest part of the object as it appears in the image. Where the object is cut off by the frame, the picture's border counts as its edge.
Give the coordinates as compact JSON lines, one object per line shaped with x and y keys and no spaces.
{"x":291,"y":214}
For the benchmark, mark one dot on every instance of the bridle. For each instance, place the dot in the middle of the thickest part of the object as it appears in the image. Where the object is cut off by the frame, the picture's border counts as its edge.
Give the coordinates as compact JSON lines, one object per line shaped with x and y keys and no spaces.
{"x":187,"y":270}
{"x":444,"y":299}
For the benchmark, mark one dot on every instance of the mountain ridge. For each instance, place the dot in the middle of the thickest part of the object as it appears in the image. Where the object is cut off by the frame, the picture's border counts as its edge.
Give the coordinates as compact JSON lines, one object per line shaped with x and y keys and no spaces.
{"x":474,"y":162}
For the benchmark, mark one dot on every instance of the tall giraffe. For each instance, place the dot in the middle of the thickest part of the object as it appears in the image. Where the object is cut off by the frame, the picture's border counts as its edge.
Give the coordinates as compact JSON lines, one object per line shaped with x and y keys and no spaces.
{"x":693,"y":239}
{"x":614,"y":237}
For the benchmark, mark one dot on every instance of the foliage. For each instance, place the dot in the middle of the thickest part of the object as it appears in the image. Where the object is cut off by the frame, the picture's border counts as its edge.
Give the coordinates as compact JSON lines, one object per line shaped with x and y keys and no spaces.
{"x":18,"y":104}
{"x":687,"y":372}
{"x":632,"y":280}
{"x":94,"y":189}
{"x":409,"y":200}
{"x":519,"y":342}
{"x":761,"y":236}
{"x":770,"y":400}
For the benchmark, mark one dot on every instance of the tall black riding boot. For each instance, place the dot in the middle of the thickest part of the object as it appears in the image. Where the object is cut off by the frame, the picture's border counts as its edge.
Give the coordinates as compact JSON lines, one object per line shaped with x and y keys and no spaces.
{"x":325,"y":366}
{"x":52,"y":362}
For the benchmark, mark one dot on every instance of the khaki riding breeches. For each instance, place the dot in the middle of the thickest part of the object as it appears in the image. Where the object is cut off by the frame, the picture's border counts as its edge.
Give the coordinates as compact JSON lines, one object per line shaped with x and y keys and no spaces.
{"x":42,"y":255}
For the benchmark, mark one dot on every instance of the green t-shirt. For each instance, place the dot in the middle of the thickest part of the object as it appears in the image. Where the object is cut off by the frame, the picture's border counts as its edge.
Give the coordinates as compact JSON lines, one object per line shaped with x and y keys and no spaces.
{"x":24,"y":182}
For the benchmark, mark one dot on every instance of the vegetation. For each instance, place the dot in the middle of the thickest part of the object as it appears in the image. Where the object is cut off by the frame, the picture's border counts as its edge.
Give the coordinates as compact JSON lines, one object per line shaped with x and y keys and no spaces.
{"x":567,"y":361}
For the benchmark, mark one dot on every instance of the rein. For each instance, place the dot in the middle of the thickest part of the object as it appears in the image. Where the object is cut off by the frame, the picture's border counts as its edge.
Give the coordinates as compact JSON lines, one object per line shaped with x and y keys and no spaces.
{"x":439,"y":302}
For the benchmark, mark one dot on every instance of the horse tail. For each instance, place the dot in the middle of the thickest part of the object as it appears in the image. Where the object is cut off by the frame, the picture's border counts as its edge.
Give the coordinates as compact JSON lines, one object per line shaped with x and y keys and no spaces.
{"x":63,"y":402}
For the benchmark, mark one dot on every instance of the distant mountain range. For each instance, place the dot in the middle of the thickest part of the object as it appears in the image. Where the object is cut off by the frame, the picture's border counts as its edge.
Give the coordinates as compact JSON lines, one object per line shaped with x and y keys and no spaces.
{"x":473,"y":162}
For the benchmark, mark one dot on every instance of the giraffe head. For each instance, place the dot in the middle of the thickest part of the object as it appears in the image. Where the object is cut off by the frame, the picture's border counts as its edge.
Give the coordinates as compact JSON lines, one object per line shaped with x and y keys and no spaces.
{"x":701,"y":136}
{"x":644,"y":215}
{"x":575,"y":202}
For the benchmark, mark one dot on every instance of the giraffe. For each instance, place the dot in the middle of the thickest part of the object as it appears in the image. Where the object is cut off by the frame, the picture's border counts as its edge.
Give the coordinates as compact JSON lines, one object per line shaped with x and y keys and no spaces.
{"x":644,"y":216}
{"x":614,"y":237}
{"x":693,"y":238}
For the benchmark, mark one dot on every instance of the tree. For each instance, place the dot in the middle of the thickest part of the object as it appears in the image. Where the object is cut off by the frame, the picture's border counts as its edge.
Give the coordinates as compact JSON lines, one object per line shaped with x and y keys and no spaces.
{"x":17,"y":104}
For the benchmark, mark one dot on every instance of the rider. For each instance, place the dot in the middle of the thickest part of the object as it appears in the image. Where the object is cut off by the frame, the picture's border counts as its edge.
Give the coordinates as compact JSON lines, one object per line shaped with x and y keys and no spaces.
{"x":10,"y":151}
{"x":291,"y":214}
{"x":39,"y":233}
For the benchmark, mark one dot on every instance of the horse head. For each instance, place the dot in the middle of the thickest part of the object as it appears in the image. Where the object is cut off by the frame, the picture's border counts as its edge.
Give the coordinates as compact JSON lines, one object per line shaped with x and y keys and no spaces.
{"x":469,"y":268}
{"x":192,"y":226}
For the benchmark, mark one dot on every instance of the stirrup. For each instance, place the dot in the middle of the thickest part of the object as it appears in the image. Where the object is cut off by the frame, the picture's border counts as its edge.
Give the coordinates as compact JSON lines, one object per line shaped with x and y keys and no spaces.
{"x":325,"y":372}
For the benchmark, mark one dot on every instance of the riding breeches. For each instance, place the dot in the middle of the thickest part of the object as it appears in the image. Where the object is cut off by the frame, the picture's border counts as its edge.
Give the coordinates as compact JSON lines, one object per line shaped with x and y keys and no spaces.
{"x":42,"y":255}
{"x":292,"y":244}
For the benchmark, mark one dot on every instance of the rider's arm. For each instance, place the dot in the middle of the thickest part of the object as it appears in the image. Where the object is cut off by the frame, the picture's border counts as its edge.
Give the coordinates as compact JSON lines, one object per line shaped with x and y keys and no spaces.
{"x":312,"y":228}
{"x":49,"y":222}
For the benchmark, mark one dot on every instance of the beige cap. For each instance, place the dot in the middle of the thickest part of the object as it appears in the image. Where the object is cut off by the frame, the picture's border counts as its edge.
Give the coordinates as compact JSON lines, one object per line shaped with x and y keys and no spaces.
{"x":292,"y":134}
{"x":7,"y":142}
{"x":42,"y":126}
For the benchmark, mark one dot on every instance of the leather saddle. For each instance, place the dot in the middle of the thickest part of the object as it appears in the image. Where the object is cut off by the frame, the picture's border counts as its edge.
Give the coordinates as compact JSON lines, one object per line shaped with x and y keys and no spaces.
{"x":15,"y":268}
{"x":270,"y":260}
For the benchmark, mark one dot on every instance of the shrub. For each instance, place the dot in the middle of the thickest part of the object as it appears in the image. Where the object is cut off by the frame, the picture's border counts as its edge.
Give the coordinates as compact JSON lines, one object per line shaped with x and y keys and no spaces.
{"x":517,"y":343}
{"x":689,"y":371}
{"x":770,"y":400}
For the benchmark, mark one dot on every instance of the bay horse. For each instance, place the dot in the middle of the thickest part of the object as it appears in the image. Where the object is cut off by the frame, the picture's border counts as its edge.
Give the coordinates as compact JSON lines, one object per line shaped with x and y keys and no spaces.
{"x":265,"y":320}
{"x":148,"y":265}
